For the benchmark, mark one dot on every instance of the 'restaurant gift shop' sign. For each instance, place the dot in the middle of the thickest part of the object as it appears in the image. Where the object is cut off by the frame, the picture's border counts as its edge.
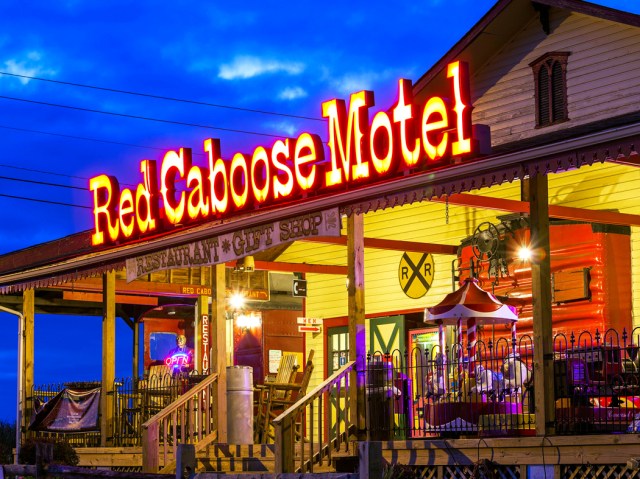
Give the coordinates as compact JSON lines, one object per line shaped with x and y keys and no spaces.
{"x":405,"y":139}
{"x":232,"y":246}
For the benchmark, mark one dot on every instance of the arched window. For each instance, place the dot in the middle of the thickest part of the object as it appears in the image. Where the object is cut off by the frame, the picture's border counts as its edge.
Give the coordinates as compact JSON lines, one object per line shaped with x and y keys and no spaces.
{"x":550,"y":77}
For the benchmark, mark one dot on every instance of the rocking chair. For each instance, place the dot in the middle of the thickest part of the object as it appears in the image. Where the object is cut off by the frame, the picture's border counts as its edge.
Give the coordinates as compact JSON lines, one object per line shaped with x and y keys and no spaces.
{"x":279,"y":397}
{"x":286,"y":373}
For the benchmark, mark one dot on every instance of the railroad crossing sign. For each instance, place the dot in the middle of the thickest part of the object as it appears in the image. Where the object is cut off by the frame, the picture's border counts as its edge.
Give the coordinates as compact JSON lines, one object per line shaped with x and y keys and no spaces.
{"x":416,"y":273}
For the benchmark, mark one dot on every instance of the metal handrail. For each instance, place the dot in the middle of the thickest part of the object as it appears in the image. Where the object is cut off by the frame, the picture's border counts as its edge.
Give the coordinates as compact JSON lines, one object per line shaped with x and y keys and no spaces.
{"x":292,"y":427}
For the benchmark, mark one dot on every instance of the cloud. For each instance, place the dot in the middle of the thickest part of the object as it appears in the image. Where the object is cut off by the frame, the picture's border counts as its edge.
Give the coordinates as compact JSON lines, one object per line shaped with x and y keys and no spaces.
{"x":378,"y":81}
{"x":354,"y":82}
{"x":286,"y":128}
{"x":292,"y":93}
{"x":244,"y":67}
{"x":29,"y":67}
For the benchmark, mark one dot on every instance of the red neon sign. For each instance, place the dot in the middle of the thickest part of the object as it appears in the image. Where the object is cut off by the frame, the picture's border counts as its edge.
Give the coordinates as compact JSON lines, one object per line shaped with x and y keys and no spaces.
{"x":406,"y":137}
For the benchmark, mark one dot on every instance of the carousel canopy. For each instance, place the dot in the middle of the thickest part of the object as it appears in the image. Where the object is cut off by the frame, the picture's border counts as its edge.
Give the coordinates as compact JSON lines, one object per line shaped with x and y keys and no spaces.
{"x":471,"y":301}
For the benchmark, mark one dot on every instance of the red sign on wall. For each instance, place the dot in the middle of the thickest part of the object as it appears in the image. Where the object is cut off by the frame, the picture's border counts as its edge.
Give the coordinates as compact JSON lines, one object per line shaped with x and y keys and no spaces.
{"x":205,"y":349}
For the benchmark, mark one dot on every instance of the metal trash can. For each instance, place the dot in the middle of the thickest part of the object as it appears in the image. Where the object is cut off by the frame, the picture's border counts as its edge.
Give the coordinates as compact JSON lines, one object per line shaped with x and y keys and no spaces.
{"x":402,"y":406}
{"x":379,"y":390}
{"x":239,"y":405}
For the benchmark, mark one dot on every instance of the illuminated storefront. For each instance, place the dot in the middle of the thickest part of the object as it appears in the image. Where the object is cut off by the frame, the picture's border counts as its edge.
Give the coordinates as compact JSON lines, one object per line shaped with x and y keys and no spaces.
{"x":420,"y":177}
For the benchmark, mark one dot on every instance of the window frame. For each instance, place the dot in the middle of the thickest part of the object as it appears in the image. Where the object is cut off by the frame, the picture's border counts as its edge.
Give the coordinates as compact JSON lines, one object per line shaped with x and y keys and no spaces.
{"x":547,"y":61}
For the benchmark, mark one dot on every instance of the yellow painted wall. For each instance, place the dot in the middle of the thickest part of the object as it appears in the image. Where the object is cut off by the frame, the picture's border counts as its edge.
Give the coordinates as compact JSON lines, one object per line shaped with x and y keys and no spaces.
{"x":599,"y":187}
{"x":421,"y":222}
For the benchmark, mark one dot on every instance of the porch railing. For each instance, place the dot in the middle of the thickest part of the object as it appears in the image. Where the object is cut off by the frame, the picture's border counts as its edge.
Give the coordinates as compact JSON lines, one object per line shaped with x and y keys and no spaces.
{"x":489,"y":391}
{"x":191,"y":419}
{"x":136,"y":400}
{"x":316,"y":426}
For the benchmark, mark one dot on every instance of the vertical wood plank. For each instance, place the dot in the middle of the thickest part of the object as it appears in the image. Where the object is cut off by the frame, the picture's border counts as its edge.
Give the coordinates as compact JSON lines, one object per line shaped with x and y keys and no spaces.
{"x":285,"y":439}
{"x":28,"y":312}
{"x":370,"y":459}
{"x":219,"y":340}
{"x":150,"y":449}
{"x":357,"y":339}
{"x":541,"y":293}
{"x":185,"y":461}
{"x":108,"y":356}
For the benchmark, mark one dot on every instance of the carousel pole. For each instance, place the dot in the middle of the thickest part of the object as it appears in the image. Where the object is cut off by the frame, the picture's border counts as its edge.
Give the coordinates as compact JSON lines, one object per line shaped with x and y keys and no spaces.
{"x":441,"y":336}
{"x":460,"y":351}
{"x":472,"y":344}
{"x":441,"y":362}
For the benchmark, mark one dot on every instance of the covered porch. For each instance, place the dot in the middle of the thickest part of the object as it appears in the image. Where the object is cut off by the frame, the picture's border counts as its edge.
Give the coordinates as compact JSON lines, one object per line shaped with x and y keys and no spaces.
{"x":360,"y":402}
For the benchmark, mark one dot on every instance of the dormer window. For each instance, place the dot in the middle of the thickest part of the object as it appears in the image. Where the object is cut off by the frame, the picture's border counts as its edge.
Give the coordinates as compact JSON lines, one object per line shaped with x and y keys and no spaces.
{"x":550,"y":78}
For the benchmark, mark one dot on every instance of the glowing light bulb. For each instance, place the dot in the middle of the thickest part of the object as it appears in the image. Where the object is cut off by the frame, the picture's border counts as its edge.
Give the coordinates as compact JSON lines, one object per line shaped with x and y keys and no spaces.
{"x":236,"y":301}
{"x":524,"y":253}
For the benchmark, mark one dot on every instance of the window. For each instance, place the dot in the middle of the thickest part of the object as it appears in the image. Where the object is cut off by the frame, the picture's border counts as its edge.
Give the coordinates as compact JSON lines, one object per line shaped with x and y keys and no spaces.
{"x":550,"y":77}
{"x":160,"y":344}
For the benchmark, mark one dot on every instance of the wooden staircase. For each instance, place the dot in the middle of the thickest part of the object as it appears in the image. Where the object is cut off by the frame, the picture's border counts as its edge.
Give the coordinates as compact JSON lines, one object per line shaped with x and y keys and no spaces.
{"x":234,"y":458}
{"x":303,"y":441}
{"x":189,"y":420}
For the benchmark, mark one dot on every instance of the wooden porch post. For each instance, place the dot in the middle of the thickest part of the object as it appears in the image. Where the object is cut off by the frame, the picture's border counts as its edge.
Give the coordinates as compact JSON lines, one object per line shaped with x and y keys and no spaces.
{"x":136,"y":349}
{"x":357,"y":338}
{"x":108,"y":356}
{"x":541,"y":292}
{"x":219,"y":342}
{"x":28,"y":312}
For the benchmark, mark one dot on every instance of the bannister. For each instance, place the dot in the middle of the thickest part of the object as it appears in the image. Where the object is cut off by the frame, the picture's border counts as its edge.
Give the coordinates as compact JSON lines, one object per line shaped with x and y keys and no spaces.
{"x":188,"y":420}
{"x":295,"y":427}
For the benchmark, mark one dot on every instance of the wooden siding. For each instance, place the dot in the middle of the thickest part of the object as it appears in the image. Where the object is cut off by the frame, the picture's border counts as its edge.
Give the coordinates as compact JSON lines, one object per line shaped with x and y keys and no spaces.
{"x":601,"y":75}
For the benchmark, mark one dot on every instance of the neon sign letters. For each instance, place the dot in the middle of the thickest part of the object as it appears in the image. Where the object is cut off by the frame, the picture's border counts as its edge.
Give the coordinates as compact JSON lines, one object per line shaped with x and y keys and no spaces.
{"x":400,"y":139}
{"x":179,"y":361}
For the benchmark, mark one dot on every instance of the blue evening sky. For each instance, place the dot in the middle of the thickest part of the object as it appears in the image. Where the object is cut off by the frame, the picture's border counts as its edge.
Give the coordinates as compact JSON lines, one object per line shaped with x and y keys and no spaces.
{"x":279,"y":57}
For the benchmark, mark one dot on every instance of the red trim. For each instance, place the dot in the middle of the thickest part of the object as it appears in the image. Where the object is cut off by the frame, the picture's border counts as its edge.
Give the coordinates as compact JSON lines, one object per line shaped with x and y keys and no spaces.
{"x":386,"y":244}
